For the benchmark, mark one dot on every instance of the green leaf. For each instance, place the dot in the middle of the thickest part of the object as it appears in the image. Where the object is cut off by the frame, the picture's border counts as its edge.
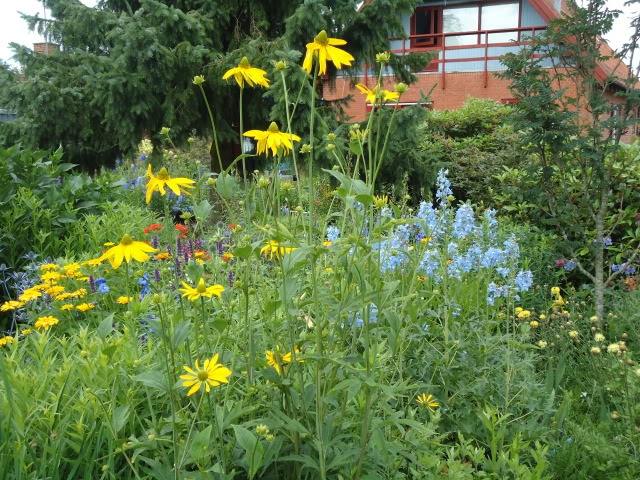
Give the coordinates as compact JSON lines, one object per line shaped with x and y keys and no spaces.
{"x":119,"y":417}
{"x":153,"y":379}
{"x":226,"y":185}
{"x":199,"y":447}
{"x":105,"y":327}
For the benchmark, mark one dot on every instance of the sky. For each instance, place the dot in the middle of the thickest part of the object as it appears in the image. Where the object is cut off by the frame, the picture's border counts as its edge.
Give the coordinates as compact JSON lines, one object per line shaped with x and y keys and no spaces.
{"x":14,"y":29}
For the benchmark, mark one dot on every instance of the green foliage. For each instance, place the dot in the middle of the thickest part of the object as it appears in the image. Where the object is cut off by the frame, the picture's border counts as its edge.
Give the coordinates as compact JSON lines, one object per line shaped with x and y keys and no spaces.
{"x":40,"y":201}
{"x":475,"y":143}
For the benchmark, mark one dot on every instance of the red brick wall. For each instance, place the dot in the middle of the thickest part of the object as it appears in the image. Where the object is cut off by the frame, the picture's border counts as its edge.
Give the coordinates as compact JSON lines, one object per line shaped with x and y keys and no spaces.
{"x":457,"y":88}
{"x":46,"y":48}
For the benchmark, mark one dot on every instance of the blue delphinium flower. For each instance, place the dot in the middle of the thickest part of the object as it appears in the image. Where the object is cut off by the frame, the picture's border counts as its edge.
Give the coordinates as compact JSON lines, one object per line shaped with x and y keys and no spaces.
{"x":523,"y":280}
{"x":570,"y":265}
{"x":145,"y":285}
{"x":101,"y":285}
{"x":495,"y":291}
{"x":443,"y":189}
{"x":373,"y":316}
{"x":464,"y":223}
{"x":607,"y":241}
{"x":430,"y":263}
{"x":333,"y":233}
{"x":492,"y":257}
{"x":511,"y":248}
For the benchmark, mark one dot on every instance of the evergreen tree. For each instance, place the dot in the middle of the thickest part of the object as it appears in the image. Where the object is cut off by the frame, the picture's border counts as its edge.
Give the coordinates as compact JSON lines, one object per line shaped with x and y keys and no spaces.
{"x":126,"y":67}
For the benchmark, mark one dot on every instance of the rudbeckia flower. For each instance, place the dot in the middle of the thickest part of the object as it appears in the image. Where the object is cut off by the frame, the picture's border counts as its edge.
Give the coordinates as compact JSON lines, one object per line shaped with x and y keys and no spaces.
{"x":162,"y":180}
{"x":6,"y":340}
{"x":273,"y":249}
{"x":244,"y":72}
{"x":428,"y":401}
{"x":201,"y":290}
{"x":11,"y":305}
{"x":279,"y":360}
{"x":212,"y":374}
{"x":324,"y":48}
{"x":272,"y":139}
{"x":127,"y":249}
{"x":377,"y":94}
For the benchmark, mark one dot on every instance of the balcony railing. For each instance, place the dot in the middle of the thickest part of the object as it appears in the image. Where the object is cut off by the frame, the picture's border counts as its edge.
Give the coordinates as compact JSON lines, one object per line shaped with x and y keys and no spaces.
{"x":441,"y":43}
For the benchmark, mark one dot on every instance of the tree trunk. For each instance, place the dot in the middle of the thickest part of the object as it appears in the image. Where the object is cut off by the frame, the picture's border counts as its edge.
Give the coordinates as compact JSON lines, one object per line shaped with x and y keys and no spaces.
{"x":599,"y":255}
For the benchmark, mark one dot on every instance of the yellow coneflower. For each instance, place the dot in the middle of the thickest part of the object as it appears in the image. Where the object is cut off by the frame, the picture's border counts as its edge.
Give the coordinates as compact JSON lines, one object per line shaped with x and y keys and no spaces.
{"x":200,"y":290}
{"x":128,"y":249}
{"x":272,"y":139}
{"x":48,"y":267}
{"x":244,"y":72}
{"x":273,"y":249}
{"x":158,"y":183}
{"x":6,"y":340}
{"x":325,"y":48}
{"x":278,"y":360}
{"x":378,"y":94}
{"x":29,"y":294}
{"x":67,"y":307}
{"x":427,"y":401}
{"x":212,"y":374}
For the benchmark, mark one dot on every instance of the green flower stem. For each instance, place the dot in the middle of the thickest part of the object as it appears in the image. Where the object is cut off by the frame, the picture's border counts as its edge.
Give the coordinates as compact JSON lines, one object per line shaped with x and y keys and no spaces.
{"x":312,"y":117}
{"x":244,"y":163}
{"x":193,"y":422}
{"x":213,"y":127}
{"x":289,"y":116}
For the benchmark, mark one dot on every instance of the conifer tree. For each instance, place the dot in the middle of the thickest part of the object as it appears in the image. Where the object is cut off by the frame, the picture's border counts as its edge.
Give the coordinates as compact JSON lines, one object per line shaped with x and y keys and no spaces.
{"x":125,"y":68}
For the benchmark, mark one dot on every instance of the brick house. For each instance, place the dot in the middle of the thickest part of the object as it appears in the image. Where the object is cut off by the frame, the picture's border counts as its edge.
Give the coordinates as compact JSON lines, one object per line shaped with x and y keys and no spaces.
{"x":468,"y":37}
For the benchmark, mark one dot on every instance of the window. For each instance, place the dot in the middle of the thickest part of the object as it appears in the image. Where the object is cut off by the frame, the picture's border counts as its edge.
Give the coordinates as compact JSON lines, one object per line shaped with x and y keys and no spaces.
{"x":475,"y":18}
{"x":426,"y":21}
{"x":460,"y":19}
{"x":499,"y":16}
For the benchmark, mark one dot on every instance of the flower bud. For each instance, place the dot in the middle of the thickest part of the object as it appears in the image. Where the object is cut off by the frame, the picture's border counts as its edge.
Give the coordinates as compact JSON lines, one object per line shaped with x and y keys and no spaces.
{"x":198,"y":80}
{"x":331,"y":137}
{"x":164,"y":131}
{"x":281,"y":65}
{"x":383,"y":57}
{"x":401,"y":87}
{"x":331,"y":147}
{"x":306,"y":148}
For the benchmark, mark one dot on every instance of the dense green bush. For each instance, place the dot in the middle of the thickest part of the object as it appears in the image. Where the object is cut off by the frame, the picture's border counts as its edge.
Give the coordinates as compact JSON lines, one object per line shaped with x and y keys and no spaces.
{"x":475,"y":143}
{"x":40,"y":201}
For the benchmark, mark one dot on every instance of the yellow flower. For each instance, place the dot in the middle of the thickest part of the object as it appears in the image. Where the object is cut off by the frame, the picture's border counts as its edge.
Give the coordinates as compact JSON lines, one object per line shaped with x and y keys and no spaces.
{"x":327,"y":243}
{"x":428,"y":401}
{"x":213,"y":374}
{"x":244,"y":72}
{"x":613,"y":348}
{"x":50,"y":277}
{"x":272,"y":139}
{"x":324,"y":48}
{"x":46,"y":322}
{"x":85,"y":307}
{"x":542,"y":344}
{"x":127,"y":249}
{"x":54,"y":290}
{"x":201,"y":290}
{"x":72,"y":270}
{"x":47,"y":267}
{"x":524,"y":314}
{"x":273,"y":249}
{"x":542,"y":316}
{"x":517,"y":310}
{"x":198,"y":80}
{"x":380,"y":201}
{"x":425,"y":240}
{"x":11,"y":305}
{"x":573,"y":334}
{"x":26,"y":331}
{"x":108,"y":244}
{"x":124,"y":300}
{"x":67,"y":307}
{"x":162,"y":180}
{"x":377,"y":95}
{"x":29,"y":294}
{"x":6,"y":340}
{"x":226,"y":257}
{"x":598,"y":337}
{"x":555,"y":291}
{"x":79,"y":293}
{"x":279,"y":360}
{"x":163,"y":256}
{"x":534,"y":324}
